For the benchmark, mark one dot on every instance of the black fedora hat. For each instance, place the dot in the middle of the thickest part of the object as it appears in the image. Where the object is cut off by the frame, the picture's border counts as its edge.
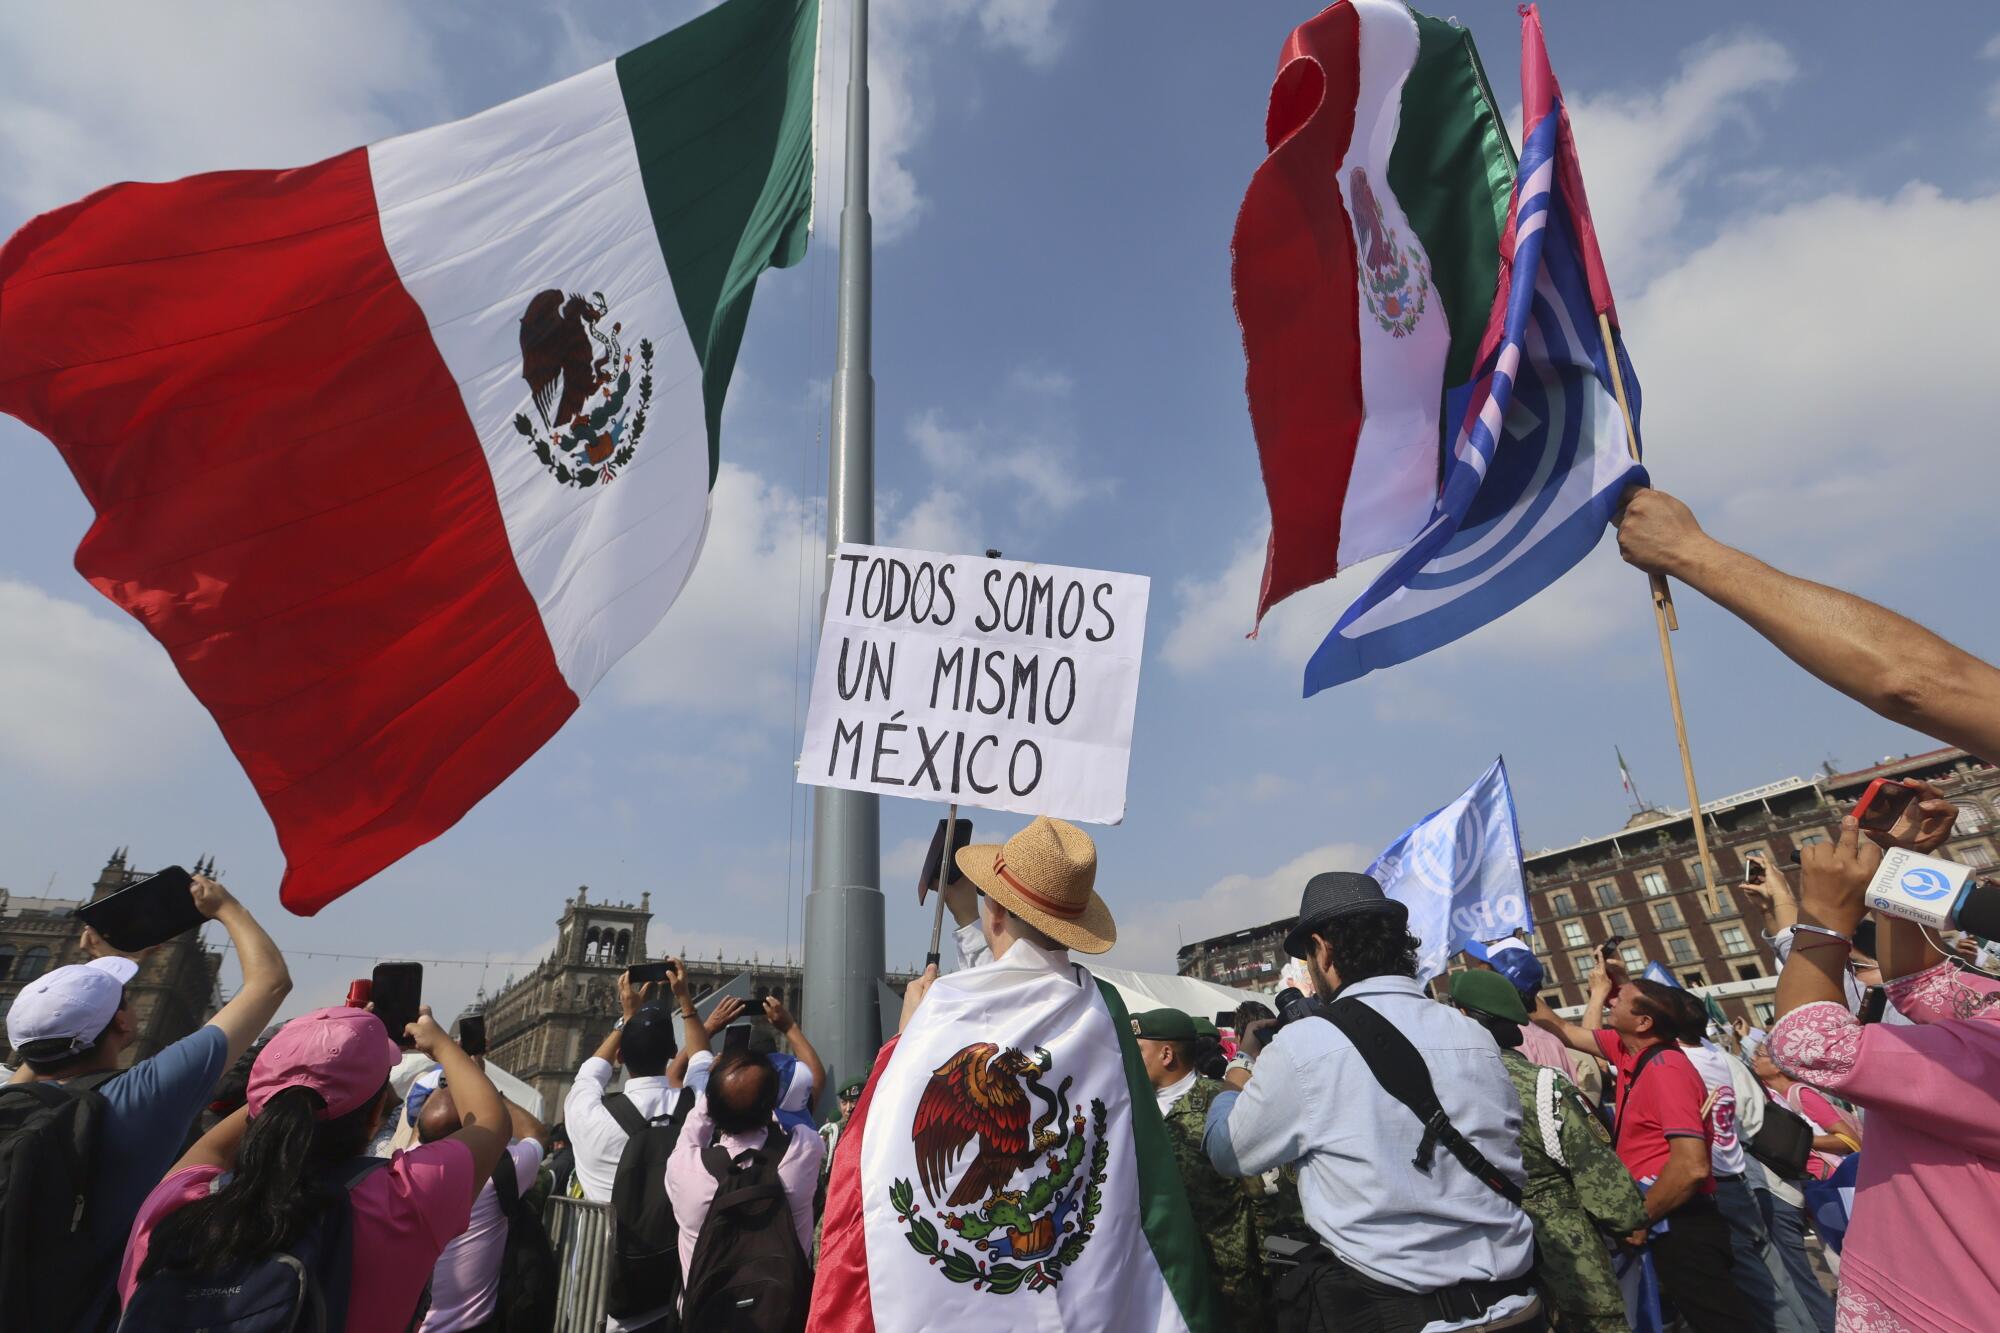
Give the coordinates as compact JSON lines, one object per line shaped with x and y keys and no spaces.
{"x":1336,"y":894}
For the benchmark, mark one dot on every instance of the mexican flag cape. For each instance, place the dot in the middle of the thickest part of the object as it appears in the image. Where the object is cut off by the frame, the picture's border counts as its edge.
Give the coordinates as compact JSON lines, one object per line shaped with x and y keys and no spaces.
{"x":1366,"y":252}
{"x":398,"y":453}
{"x":1006,"y":1168}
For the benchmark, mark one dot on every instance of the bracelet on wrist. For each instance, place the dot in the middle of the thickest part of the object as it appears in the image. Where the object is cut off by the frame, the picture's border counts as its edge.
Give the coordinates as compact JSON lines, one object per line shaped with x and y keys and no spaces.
{"x":1802,"y":928}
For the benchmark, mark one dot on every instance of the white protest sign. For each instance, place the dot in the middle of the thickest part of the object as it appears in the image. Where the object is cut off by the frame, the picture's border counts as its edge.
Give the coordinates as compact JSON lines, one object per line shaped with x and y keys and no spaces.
{"x":993,"y":683}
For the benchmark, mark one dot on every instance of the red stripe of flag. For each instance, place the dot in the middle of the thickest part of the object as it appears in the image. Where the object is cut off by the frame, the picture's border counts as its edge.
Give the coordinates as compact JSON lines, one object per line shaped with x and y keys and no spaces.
{"x":842,"y":1300}
{"x":289,"y":497}
{"x":1294,"y":278}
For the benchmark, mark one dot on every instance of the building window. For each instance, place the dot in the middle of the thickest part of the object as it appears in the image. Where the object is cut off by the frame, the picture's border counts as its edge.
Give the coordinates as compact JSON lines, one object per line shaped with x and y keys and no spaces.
{"x":1766,"y":1012}
{"x":33,"y":963}
{"x":1693,"y":979}
{"x":1680,"y":949}
{"x":6,"y":960}
{"x":1654,"y":882}
{"x":1749,"y":972}
{"x":1697,"y":874}
{"x":1667,"y":915}
{"x":1561,"y":903}
{"x":1573,"y":934}
{"x":1607,"y":893}
{"x":1585,"y":964}
{"x":1553,"y":1000}
{"x":1618,"y":923}
{"x":1725,"y":903}
{"x":1808,"y":839}
{"x":1970,"y":817}
{"x":1734,"y":940}
{"x":1634,"y":959}
{"x":1978,"y":855}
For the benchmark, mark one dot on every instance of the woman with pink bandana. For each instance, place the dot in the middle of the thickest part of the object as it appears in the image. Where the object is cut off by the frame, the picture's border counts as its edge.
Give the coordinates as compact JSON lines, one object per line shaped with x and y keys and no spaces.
{"x":1920,"y":1251}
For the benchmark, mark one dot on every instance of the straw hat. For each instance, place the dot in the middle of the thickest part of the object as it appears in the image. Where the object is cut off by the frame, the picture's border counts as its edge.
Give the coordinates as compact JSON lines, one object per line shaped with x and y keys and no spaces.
{"x":1044,"y":875}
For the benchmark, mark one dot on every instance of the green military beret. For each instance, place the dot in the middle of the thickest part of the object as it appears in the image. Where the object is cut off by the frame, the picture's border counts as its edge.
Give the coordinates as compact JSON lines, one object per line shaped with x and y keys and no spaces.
{"x":855,"y":1084}
{"x":1488,"y":993}
{"x":1163,"y":1025}
{"x":1205,"y":1027}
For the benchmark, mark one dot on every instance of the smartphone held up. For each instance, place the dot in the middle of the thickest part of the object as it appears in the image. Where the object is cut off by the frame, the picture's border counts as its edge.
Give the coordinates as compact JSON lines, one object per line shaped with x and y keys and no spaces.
{"x":397,"y":990}
{"x":143,"y":914}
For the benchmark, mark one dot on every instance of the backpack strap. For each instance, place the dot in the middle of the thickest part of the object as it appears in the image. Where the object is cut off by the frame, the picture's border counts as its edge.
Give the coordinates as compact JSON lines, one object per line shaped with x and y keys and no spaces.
{"x":1401,"y":1071}
{"x":626,"y":1114}
{"x":1646,"y":1058}
{"x":506,"y":1188}
{"x":1548,"y":1114}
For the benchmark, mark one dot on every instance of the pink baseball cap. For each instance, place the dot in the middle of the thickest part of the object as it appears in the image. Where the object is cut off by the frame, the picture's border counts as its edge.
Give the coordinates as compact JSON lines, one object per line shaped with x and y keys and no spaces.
{"x":343,"y":1054}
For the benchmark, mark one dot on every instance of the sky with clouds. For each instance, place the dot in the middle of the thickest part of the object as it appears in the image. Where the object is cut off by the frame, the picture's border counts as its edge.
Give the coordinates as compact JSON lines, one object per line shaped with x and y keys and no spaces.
{"x":1798,"y":219}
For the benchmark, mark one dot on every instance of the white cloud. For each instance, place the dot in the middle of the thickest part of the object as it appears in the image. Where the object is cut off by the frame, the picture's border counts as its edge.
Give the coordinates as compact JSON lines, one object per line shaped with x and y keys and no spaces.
{"x":905,"y":40}
{"x":1213,"y":616}
{"x":1044,"y":478}
{"x":727,"y":646}
{"x":1148,"y":939}
{"x":941,"y":521}
{"x":91,"y":94}
{"x":86,"y":698}
{"x":1641,"y":154}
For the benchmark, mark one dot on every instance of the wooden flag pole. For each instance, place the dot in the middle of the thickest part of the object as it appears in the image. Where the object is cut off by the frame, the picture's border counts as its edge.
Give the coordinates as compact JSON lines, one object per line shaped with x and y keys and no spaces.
{"x":945,"y":867}
{"x":1665,"y":620}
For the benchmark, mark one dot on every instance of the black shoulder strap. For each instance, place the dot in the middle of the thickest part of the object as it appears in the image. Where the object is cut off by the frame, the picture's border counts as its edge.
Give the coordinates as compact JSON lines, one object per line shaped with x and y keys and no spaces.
{"x":1402,"y":1073}
{"x":1625,"y":1095}
{"x":626,"y":1114}
{"x":505,"y":1187}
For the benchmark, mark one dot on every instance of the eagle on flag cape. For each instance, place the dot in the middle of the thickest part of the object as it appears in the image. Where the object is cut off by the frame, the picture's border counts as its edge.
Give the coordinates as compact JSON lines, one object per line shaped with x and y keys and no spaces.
{"x":398,"y":453}
{"x":1007,"y":1167}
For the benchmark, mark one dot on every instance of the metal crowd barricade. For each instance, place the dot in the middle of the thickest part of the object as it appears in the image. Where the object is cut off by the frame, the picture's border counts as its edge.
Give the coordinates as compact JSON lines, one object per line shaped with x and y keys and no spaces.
{"x":580,"y":1231}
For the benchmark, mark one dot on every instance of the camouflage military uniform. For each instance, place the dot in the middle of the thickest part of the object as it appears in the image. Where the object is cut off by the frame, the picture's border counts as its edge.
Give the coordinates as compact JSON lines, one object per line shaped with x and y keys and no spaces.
{"x":1222,"y":1213}
{"x":1595,"y":1188}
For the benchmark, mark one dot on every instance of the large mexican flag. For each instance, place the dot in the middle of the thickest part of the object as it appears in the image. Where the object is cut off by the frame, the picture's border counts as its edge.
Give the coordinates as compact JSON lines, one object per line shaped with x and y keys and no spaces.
{"x":1366,"y":252}
{"x":1007,"y":1168}
{"x":397,"y":453}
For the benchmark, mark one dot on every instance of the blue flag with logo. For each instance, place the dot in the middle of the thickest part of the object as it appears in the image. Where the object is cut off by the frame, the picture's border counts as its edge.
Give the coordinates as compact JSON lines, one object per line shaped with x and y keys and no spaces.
{"x":1458,"y":870}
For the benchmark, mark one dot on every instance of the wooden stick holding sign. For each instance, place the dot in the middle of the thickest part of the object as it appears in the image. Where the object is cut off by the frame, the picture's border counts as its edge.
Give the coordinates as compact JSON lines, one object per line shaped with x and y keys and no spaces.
{"x":950,"y":872}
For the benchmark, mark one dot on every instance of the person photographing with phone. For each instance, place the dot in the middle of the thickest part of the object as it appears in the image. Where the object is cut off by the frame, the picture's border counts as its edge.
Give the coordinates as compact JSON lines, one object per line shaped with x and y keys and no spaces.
{"x":278,"y":1208}
{"x":1916,"y":1254}
{"x":72,"y":1027}
{"x":1661,"y":1132}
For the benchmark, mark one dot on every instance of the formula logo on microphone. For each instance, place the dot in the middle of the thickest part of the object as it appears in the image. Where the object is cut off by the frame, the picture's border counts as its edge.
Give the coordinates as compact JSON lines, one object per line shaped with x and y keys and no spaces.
{"x":1924,"y":884}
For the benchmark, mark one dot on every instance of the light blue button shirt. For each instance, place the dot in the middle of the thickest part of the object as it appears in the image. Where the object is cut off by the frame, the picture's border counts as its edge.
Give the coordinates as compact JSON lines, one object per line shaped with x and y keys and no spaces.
{"x":1312,"y":1100}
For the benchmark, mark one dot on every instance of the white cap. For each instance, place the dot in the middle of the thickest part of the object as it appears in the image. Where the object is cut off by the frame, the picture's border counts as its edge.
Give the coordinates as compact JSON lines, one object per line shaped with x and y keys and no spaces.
{"x":74,"y":1003}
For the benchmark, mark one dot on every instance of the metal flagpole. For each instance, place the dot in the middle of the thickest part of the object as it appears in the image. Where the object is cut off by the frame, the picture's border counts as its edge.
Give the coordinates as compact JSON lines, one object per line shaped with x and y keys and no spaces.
{"x":1664,"y":618}
{"x":843,"y":917}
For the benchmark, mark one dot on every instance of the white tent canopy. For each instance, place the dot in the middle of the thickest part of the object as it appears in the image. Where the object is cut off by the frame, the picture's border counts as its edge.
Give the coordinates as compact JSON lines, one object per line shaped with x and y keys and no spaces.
{"x":1159,"y":990}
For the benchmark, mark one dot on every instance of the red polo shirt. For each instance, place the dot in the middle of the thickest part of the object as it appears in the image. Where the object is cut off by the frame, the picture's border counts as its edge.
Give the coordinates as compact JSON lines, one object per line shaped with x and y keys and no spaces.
{"x":1665,"y":1103}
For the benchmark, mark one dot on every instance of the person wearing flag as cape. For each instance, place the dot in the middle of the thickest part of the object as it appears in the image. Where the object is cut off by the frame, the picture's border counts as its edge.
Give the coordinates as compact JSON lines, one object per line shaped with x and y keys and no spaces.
{"x":1006,"y":1166}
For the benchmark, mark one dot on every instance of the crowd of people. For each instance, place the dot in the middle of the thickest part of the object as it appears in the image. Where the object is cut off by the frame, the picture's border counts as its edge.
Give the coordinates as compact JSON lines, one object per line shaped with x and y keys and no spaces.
{"x":1376,"y":1154}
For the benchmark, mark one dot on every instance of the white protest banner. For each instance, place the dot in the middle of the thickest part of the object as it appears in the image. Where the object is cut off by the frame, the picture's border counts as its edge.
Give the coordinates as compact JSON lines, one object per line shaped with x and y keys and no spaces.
{"x":994,"y":683}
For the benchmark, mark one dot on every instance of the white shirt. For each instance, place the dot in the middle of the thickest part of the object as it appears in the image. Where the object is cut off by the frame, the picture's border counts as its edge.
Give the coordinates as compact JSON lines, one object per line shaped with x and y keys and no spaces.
{"x":1312,"y":1100}
{"x":1725,"y":1148}
{"x":598,"y":1140}
{"x":1173,"y":1092}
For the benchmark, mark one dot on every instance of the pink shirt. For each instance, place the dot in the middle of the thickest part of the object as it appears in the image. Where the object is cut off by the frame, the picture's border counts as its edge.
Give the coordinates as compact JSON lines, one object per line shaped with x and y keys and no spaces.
{"x":1919,"y":1250}
{"x":465,"y":1285}
{"x":404,"y":1216}
{"x":691,"y":1187}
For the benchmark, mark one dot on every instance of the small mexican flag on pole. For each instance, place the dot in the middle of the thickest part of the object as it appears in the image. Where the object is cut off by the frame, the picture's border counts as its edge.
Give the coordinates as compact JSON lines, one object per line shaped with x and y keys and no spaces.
{"x":399,"y":452}
{"x":1365,"y":258}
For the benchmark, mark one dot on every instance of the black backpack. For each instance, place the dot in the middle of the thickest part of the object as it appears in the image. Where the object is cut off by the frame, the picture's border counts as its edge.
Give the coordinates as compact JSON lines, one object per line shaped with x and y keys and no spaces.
{"x":748,"y":1273}
{"x":645,"y":1239}
{"x":301,"y":1290}
{"x":526,"y":1302}
{"x":50,"y":1272}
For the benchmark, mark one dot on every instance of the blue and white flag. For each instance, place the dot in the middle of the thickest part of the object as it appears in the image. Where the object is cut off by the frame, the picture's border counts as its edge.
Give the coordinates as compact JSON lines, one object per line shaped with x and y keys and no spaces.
{"x":1654,"y":972}
{"x":1458,"y":870}
{"x":1540,"y":460}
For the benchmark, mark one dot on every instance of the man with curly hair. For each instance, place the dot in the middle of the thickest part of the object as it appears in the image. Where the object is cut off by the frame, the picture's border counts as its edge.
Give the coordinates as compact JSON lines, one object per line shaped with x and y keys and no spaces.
{"x":1419,"y":1221}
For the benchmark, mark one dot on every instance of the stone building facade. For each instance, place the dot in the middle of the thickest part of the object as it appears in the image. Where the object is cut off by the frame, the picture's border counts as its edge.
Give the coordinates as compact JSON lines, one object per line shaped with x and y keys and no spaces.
{"x":174,"y":992}
{"x":1644,"y":883}
{"x":542,"y":1025}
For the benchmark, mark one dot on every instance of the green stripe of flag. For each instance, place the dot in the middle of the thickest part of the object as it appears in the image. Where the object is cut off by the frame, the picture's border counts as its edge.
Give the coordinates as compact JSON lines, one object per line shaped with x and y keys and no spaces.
{"x":1452,"y":170}
{"x":721,"y":110}
{"x":1164,"y":1212}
